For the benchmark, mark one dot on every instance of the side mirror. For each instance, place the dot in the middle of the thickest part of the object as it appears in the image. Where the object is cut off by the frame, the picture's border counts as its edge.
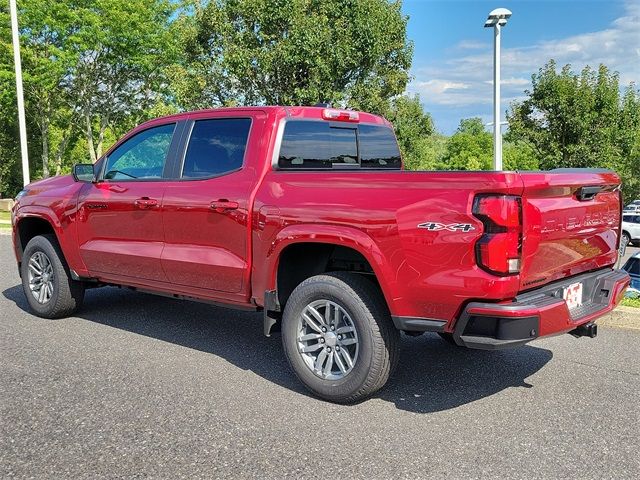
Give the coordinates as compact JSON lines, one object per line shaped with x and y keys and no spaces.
{"x":83,"y":172}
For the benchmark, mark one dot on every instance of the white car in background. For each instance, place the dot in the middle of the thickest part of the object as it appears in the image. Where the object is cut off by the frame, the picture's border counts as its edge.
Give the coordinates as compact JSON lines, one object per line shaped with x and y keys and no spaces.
{"x":631,"y":228}
{"x":633,"y":207}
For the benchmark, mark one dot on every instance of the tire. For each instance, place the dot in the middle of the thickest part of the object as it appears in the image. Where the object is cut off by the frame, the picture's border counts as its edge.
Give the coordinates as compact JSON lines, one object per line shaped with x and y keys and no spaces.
{"x":63,"y":295}
{"x":364,"y":317}
{"x":626,"y":239}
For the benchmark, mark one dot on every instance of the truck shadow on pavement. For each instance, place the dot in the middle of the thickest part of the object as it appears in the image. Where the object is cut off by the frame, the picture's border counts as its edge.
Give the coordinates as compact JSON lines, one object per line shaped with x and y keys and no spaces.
{"x":432,"y":375}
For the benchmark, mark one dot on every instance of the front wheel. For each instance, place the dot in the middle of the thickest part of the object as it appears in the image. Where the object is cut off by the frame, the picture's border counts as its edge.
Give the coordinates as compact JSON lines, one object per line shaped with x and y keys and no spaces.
{"x":46,"y":281}
{"x":338,"y":336}
{"x":626,"y":239}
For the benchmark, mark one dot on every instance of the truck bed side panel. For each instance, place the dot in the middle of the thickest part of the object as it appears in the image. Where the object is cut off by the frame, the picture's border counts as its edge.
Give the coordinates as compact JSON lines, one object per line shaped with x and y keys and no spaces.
{"x":430,"y":271}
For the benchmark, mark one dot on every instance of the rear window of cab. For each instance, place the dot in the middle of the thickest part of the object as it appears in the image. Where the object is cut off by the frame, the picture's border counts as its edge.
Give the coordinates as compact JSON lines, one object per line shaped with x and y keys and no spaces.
{"x":311,"y":145}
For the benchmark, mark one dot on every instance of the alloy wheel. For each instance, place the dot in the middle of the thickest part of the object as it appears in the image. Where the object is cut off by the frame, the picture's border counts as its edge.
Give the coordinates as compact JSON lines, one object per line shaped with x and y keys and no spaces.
{"x":327,"y":340}
{"x":41,"y":277}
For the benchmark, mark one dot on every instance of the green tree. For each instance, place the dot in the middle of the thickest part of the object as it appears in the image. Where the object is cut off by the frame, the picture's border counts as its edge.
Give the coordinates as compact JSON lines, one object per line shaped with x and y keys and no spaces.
{"x":351,"y":53}
{"x":469,"y":148}
{"x":47,"y":40}
{"x":125,"y":50}
{"x":413,"y":128}
{"x":519,"y":156}
{"x":581,"y":120}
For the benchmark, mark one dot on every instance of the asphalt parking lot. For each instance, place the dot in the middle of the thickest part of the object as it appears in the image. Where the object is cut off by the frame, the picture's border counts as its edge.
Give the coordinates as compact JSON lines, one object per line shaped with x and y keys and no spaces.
{"x":140,"y":386}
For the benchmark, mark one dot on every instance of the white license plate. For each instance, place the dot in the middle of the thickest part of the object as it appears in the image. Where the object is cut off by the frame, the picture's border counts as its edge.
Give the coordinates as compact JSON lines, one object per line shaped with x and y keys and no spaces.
{"x":573,"y":295}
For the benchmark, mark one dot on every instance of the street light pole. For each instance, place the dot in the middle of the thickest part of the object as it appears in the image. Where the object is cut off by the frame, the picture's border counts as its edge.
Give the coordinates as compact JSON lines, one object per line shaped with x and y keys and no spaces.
{"x":497,"y":19}
{"x":22,"y":124}
{"x":497,"y":133}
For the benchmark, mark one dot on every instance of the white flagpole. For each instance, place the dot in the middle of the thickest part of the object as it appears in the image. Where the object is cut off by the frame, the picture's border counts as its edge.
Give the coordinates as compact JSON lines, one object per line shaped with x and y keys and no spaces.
{"x":19,"y":94}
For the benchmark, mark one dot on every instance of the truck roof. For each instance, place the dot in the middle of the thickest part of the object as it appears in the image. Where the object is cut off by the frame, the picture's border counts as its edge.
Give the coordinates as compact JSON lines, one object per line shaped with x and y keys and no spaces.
{"x":281,"y":111}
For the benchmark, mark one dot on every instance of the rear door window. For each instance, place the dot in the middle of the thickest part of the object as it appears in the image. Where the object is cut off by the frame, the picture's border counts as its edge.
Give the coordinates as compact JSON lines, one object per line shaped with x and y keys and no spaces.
{"x":321,"y":145}
{"x":216,"y":146}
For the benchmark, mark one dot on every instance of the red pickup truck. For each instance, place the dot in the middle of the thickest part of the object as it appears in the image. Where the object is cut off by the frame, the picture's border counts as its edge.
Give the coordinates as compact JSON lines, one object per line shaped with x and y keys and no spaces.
{"x":306,"y":214}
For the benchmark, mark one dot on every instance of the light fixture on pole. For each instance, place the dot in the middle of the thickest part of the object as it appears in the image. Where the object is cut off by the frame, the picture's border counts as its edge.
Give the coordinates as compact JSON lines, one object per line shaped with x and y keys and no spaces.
{"x":22,"y":124}
{"x":497,"y":19}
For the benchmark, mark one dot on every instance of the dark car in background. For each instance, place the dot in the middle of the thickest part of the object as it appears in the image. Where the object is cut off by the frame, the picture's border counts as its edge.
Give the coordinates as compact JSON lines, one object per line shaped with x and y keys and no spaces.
{"x":632,"y":267}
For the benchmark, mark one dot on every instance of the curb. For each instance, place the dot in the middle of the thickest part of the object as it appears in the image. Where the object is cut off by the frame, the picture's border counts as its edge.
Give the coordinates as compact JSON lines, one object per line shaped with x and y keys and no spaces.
{"x":622,"y":317}
{"x":631,"y":310}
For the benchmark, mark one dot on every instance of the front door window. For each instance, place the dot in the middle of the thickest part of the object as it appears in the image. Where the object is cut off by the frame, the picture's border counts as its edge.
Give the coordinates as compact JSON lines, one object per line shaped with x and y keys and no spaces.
{"x":142,"y":156}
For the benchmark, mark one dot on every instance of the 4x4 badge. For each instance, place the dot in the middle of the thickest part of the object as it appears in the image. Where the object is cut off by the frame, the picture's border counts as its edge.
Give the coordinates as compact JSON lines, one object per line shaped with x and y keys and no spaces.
{"x":452,"y":227}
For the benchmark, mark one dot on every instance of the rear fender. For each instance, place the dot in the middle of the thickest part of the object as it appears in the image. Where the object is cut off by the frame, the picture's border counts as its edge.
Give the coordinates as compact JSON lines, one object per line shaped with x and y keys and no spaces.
{"x":334,"y":235}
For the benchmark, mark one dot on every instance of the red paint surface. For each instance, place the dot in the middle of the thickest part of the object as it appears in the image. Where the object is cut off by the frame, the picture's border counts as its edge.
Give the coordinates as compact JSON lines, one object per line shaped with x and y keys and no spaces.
{"x":183,"y":245}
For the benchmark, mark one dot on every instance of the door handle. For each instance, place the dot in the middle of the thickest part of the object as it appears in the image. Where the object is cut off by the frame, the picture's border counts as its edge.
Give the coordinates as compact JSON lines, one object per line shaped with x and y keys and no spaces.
{"x":96,"y":206}
{"x":145,"y":203}
{"x":221,"y":205}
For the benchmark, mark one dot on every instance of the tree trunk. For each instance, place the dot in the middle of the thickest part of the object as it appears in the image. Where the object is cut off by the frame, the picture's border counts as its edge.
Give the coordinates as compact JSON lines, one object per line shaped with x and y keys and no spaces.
{"x":103,"y":127}
{"x":61,"y":149}
{"x":44,"y":132}
{"x":89,"y":132}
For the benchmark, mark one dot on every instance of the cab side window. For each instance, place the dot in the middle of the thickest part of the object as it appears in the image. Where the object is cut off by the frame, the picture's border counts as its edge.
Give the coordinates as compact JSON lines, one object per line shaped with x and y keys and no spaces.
{"x":142,"y":156}
{"x":216,"y":146}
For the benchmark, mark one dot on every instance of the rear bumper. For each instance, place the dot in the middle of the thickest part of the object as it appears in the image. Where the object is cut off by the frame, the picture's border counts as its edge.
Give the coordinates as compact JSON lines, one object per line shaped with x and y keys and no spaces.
{"x":539,"y":313}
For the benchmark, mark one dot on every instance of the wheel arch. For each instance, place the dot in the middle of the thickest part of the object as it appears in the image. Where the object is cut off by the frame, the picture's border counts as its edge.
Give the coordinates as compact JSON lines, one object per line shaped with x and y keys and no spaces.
{"x":31,"y":224}
{"x":323,"y":248}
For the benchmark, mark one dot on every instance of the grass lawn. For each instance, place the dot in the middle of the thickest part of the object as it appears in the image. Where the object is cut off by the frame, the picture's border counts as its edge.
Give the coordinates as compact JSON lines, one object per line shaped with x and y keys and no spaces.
{"x":631,"y":302}
{"x":5,"y":217}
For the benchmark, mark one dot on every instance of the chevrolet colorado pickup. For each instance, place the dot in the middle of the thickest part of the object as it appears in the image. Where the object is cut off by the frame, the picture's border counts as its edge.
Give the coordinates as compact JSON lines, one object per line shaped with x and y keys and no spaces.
{"x":306,"y":214}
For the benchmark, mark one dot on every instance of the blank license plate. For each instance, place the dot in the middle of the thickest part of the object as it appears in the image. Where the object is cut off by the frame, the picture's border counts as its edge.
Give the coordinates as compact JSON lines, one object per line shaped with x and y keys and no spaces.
{"x":573,"y":295}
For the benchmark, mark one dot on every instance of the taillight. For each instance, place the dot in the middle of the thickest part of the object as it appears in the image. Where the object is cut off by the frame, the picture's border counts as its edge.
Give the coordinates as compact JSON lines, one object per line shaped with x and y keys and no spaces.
{"x":499,"y":250}
{"x":340,"y":115}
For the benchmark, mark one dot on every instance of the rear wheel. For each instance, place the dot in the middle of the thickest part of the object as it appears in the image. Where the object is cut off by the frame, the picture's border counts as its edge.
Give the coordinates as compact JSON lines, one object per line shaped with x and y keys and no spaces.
{"x":338,"y":336}
{"x":46,"y":281}
{"x":626,"y":239}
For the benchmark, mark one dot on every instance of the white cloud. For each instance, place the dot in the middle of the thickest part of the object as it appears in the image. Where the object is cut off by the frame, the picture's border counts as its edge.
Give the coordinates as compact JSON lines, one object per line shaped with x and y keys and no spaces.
{"x":465,"y":81}
{"x":518,"y":82}
{"x":472,"y":45}
{"x":436,"y":87}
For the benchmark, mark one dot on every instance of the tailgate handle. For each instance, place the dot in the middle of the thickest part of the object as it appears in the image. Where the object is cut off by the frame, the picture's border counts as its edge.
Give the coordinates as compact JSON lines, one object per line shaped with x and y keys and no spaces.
{"x":588,"y":193}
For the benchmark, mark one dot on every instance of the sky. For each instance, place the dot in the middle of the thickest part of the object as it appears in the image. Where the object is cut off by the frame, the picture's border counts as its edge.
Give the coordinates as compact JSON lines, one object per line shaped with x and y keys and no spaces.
{"x":453,"y":54}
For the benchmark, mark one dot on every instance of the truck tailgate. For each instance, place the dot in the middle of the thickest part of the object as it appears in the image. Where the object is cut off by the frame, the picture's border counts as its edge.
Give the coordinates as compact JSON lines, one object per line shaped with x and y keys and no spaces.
{"x":571,"y":223}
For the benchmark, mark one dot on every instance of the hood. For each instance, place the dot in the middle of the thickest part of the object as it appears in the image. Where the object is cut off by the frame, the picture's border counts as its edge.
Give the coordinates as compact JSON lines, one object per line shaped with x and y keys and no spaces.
{"x":49,"y":183}
{"x":63,"y":186}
